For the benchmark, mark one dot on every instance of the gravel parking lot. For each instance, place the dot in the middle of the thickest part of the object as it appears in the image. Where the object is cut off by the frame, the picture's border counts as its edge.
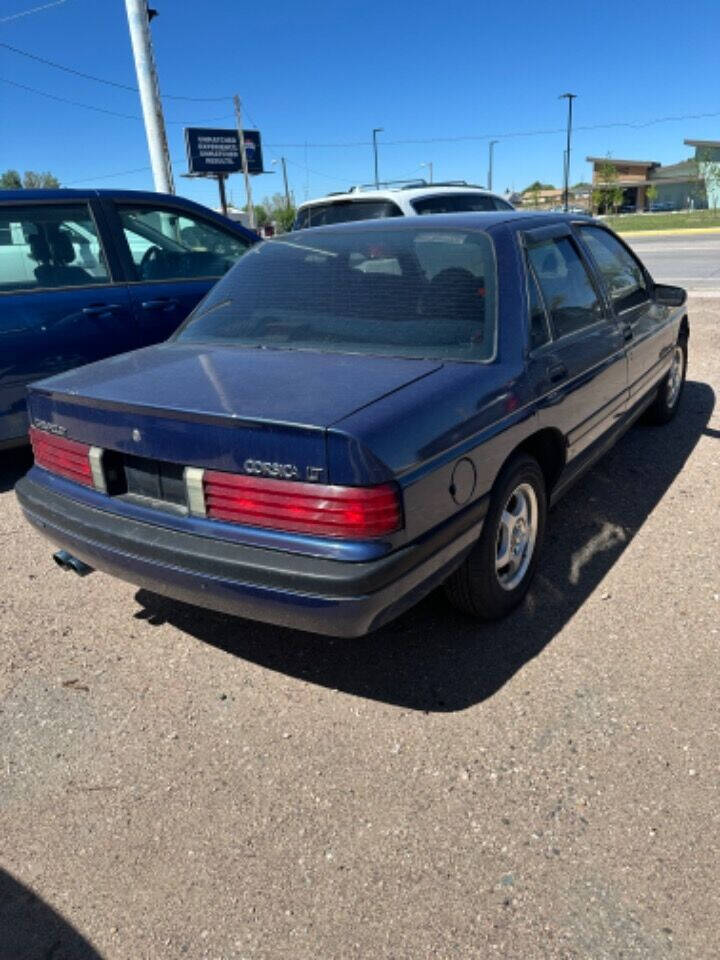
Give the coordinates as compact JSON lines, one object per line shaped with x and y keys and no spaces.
{"x":175,"y":783}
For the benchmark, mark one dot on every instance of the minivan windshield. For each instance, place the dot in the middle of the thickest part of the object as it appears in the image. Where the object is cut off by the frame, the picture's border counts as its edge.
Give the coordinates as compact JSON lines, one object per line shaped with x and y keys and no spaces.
{"x":408,"y":292}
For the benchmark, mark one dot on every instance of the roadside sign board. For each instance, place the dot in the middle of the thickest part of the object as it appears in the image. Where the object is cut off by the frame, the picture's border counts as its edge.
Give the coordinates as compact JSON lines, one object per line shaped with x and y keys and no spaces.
{"x":216,"y":151}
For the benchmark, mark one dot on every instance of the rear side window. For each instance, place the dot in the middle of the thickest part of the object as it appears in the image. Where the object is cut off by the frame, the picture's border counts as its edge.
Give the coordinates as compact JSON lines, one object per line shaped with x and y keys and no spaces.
{"x":454,"y":203}
{"x":539,"y":332}
{"x":621,"y":272}
{"x":49,"y":246}
{"x":167,"y":244}
{"x":344,"y":211}
{"x":567,"y":290}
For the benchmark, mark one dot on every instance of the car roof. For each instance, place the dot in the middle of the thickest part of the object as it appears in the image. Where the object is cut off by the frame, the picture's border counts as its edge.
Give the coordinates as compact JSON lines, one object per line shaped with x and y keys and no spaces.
{"x":393,"y":193}
{"x":468,"y":221}
{"x":70,"y":193}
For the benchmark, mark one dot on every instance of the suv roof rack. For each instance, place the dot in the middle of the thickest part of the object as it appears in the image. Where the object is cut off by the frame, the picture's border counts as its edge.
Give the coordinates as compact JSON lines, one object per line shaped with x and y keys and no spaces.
{"x":412,"y":185}
{"x":384,"y":184}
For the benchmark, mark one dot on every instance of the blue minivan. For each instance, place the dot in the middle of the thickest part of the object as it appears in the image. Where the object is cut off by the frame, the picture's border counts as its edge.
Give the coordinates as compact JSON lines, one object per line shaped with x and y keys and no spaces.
{"x":85,"y":274}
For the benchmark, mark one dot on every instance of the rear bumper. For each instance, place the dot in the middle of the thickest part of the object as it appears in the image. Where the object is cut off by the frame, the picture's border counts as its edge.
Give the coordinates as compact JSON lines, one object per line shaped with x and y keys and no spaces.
{"x":332,"y":597}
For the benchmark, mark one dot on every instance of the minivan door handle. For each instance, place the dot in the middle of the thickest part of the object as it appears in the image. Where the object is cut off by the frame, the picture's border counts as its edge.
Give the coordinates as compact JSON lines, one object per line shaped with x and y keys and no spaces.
{"x":100,"y":309}
{"x":627,"y":332}
{"x":165,"y":304}
{"x":557,"y":373}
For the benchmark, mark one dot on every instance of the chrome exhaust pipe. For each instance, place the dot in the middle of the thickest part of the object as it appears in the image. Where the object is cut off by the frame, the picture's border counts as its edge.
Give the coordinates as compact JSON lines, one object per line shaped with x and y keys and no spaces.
{"x":66,"y":561}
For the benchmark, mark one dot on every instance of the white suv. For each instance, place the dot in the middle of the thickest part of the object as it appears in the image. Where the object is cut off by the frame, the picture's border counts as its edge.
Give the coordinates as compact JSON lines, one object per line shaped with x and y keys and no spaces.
{"x":412,"y":199}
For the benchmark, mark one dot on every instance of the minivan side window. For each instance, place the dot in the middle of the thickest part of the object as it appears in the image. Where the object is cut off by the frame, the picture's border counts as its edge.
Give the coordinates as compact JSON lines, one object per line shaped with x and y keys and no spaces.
{"x":621,"y":272}
{"x":569,"y":294}
{"x":167,"y":244}
{"x":50,"y":246}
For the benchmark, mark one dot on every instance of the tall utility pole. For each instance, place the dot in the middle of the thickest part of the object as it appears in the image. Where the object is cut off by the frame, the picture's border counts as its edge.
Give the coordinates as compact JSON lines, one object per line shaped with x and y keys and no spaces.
{"x":376,"y":131}
{"x":566,"y":172}
{"x":243,"y":157}
{"x":288,"y":201}
{"x":429,"y":165}
{"x":490,"y":162}
{"x":139,"y":24}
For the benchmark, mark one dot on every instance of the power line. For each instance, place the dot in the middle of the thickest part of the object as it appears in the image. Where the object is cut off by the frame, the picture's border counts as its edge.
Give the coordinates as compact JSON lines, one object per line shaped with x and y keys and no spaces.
{"x":316,"y":173}
{"x":108,"y":176}
{"x":26,"y":13}
{"x":633,"y":124}
{"x":109,"y":83}
{"x":111,"y":113}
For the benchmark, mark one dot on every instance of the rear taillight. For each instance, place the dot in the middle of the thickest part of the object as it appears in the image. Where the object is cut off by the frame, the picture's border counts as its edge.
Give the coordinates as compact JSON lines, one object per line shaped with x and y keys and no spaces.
{"x":327,"y":511}
{"x":66,"y":458}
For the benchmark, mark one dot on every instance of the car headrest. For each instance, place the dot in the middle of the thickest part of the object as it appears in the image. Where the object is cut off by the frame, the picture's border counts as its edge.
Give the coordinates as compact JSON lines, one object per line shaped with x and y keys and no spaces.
{"x":61,"y":246}
{"x":39,"y":248}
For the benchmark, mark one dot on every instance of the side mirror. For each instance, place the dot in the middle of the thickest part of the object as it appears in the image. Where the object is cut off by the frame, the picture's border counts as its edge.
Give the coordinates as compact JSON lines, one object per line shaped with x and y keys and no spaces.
{"x":669,"y":296}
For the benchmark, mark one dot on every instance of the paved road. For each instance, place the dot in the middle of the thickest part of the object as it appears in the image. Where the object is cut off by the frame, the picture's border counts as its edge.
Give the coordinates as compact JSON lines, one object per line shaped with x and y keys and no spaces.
{"x":175,"y":783}
{"x":691,"y":261}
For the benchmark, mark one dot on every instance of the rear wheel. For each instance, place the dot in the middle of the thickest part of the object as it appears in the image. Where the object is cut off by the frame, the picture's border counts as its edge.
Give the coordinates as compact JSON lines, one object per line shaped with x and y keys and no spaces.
{"x":496,"y":575}
{"x":670,"y":390}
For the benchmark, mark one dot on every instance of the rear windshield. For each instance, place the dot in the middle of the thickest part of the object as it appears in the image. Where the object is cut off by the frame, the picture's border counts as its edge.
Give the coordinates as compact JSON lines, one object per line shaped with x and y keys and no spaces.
{"x":343,"y":211}
{"x":409,"y":293}
{"x":458,"y":203}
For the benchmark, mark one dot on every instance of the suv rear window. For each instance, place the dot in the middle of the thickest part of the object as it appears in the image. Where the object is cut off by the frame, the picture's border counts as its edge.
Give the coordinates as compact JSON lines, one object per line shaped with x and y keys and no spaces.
{"x":342,"y":211}
{"x":458,"y":203}
{"x":408,"y":293}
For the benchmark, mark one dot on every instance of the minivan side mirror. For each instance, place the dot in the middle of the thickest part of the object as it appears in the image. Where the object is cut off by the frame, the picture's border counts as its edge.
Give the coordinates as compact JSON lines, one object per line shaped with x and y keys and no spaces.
{"x":669,"y":296}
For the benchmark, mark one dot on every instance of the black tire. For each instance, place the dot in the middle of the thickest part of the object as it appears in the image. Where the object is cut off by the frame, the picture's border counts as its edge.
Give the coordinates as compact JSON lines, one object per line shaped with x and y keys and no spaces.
{"x":475,"y":587}
{"x":666,"y":402}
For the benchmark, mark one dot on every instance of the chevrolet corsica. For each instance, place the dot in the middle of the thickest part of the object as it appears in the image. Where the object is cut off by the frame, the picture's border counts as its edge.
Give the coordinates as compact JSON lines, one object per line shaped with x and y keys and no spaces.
{"x":356,"y":414}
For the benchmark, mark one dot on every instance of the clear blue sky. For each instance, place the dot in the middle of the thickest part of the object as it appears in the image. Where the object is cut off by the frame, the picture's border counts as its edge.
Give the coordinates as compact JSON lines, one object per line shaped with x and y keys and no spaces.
{"x":328,"y":71}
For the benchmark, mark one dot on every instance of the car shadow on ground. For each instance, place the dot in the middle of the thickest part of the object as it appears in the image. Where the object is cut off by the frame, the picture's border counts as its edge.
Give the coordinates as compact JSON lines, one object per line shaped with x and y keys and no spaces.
{"x":14,"y":464}
{"x":435,"y":659}
{"x":30,"y":929}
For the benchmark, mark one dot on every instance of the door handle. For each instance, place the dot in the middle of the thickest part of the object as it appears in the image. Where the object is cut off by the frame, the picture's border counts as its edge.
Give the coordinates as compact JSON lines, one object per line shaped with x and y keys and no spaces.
{"x":558,"y":373}
{"x":166,"y":304}
{"x":627,"y":332}
{"x":100,"y":309}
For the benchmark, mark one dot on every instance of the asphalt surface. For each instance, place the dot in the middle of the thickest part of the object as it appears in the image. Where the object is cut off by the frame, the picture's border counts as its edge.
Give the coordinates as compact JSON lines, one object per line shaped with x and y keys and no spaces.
{"x":175,"y":783}
{"x":691,"y":261}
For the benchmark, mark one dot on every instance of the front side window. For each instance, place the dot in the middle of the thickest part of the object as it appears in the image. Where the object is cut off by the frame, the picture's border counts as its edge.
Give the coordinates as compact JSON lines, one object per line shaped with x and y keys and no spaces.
{"x":344,"y":211}
{"x":49,"y":246}
{"x":166,"y":244}
{"x":454,"y":203}
{"x":621,"y":272}
{"x":408,"y":292}
{"x":567,"y":290}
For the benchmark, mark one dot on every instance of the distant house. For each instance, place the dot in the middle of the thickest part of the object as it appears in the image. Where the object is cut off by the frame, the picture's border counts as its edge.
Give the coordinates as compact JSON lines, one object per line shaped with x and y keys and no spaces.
{"x":677,"y":186}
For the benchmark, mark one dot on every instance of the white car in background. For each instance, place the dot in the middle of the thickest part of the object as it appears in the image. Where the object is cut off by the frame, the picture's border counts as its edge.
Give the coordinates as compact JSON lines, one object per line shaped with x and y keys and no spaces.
{"x":412,"y":198}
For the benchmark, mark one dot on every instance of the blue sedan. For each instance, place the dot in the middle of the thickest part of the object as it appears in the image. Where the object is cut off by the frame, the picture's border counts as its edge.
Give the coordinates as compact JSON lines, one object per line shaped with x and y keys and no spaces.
{"x":357,"y":414}
{"x":88,"y":273}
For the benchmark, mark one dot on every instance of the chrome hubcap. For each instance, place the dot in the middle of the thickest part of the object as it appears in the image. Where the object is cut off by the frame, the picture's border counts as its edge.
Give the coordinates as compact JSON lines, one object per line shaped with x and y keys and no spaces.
{"x":674,"y":379}
{"x":516,"y":536}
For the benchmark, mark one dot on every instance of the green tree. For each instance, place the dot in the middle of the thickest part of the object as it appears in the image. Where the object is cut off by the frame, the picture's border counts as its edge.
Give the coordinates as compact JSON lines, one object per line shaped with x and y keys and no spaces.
{"x":261,"y":215}
{"x":277,"y":212}
{"x":651,"y":194}
{"x":608,"y":194}
{"x":35,"y":181}
{"x":10,"y":180}
{"x":709,"y":169}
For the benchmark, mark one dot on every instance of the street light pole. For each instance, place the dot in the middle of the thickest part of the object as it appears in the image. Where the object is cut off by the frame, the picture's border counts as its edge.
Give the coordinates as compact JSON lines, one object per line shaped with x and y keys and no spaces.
{"x":569,"y":97}
{"x":490,"y":163}
{"x":376,"y":131}
{"x":430,"y":168}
